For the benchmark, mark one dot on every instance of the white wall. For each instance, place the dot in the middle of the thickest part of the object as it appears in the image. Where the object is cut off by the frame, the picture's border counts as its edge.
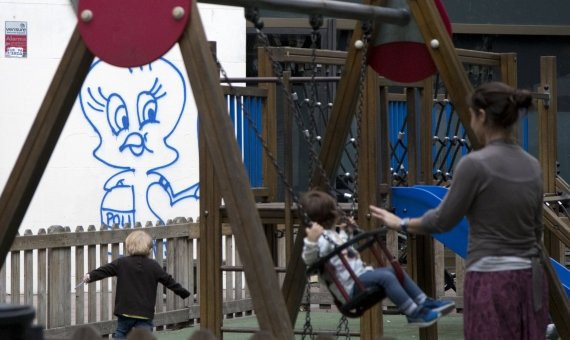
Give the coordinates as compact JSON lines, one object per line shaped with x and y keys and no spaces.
{"x":72,"y":189}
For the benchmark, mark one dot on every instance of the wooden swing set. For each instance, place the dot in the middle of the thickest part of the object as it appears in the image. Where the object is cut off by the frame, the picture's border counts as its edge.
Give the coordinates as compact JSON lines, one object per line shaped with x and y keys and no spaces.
{"x":222,"y":173}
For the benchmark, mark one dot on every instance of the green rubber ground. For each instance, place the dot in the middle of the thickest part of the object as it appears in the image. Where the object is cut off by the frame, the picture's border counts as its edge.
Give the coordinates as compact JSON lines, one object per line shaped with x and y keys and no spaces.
{"x":395,"y":326}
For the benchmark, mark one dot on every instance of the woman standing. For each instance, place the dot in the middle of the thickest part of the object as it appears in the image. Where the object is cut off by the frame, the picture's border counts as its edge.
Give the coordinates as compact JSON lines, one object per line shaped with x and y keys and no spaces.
{"x":499,"y":188}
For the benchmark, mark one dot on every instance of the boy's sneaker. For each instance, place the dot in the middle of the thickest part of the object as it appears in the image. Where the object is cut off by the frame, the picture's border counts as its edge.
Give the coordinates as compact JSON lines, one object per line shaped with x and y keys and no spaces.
{"x":442,"y":306}
{"x":423,"y":317}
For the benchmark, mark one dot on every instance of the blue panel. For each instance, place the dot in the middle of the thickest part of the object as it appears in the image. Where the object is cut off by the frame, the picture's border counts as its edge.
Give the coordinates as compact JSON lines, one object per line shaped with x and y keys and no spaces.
{"x":415,"y":201}
{"x":239,"y":118}
{"x":246,"y":129}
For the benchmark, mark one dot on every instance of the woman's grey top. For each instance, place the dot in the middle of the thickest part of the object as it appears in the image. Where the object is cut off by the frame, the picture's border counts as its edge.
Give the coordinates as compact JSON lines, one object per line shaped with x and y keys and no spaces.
{"x":499,"y":189}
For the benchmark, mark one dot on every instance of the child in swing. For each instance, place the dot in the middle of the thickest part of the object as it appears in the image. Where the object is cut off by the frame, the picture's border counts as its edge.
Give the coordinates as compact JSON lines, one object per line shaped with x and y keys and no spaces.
{"x":322,"y":238}
{"x":137,"y":279}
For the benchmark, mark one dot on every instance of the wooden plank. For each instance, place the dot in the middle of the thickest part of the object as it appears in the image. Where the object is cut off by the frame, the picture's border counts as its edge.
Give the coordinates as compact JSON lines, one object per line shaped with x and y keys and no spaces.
{"x":59,"y":284}
{"x":229,"y":275}
{"x":191,"y":272}
{"x":245,"y":91}
{"x":464,"y":53}
{"x":170,"y":263}
{"x":42,"y":138}
{"x":159,"y":308}
{"x":439,"y":269}
{"x":100,"y":237}
{"x":547,"y":140}
{"x":446,"y":59}
{"x":181,"y":268}
{"x":209,"y":253}
{"x":28,"y":274}
{"x":79,"y":291}
{"x":509,"y":74}
{"x":233,"y":182}
{"x":556,"y":225}
{"x":422,"y":245}
{"x":426,"y":132}
{"x":15,"y":278}
{"x":92,"y":289}
{"x":3,"y":284}
{"x":115,"y":248}
{"x":288,"y":165}
{"x":42,"y":284}
{"x":239,"y":279}
{"x":104,"y":296}
{"x":269,"y":120}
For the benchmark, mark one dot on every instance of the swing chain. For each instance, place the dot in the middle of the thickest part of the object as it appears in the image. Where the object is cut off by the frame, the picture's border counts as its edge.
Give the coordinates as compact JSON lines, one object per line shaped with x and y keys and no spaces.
{"x":316,"y":21}
{"x":366,"y":29}
{"x":343,"y":327}
{"x":308,"y":327}
{"x":278,"y":71}
{"x":259,"y":136}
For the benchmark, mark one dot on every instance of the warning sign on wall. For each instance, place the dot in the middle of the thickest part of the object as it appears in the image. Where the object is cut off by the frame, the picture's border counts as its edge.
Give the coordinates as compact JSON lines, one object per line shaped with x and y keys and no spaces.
{"x":16,"y":41}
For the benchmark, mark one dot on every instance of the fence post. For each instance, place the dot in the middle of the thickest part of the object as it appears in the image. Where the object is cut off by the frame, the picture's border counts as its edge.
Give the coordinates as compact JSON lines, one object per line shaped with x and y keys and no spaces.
{"x":79,"y":272}
{"x":92,"y":290}
{"x":15,"y":277}
{"x":28,"y":273}
{"x":42,"y":284}
{"x":59,"y":283}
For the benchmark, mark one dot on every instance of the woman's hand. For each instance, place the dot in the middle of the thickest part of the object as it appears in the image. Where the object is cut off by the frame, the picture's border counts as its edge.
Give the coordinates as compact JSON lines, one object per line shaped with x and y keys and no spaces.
{"x":386,"y":218}
{"x":314,"y":232}
{"x":86,"y":278}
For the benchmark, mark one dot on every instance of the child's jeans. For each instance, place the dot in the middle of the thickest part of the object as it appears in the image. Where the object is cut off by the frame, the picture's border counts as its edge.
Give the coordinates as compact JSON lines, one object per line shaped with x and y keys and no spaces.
{"x":125,"y":324}
{"x":402,"y":295}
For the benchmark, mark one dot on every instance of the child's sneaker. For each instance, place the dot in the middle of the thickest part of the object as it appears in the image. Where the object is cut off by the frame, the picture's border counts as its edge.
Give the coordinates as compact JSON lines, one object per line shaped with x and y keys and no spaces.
{"x":423,"y":317}
{"x":442,"y":306}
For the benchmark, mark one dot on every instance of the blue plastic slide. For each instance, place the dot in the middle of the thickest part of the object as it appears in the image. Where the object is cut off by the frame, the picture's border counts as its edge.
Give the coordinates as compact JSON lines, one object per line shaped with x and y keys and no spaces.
{"x":414,"y":201}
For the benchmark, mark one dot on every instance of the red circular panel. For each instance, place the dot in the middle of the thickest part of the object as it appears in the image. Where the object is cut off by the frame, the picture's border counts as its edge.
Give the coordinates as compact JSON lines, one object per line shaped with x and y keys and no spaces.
{"x":130,"y":33}
{"x":405,"y":61}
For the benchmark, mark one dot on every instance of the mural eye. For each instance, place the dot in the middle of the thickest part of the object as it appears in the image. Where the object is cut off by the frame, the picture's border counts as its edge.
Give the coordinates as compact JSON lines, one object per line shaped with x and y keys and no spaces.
{"x":117,"y":114}
{"x":147,"y":109}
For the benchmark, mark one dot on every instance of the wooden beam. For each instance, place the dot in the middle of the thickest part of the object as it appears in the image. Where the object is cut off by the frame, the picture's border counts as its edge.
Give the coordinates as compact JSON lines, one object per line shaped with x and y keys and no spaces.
{"x":446,"y":59}
{"x":42,"y":138}
{"x":509,"y":75}
{"x":423,"y":244}
{"x":232,"y":180}
{"x":210,"y":276}
{"x":288,"y":166}
{"x":269,"y":118}
{"x":547,"y":141}
{"x":426,"y":133}
{"x":371,"y":322}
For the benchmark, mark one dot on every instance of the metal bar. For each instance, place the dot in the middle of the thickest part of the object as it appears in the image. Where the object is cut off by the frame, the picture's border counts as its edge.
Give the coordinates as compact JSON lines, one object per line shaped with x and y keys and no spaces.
{"x":332,"y":8}
{"x":296,"y":331}
{"x":240,"y":269}
{"x":275,"y":79}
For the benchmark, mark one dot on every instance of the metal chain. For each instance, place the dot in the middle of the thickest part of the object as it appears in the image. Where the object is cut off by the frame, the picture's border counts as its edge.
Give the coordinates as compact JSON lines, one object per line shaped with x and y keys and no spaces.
{"x":259,"y":136}
{"x":308,"y":327}
{"x":316,"y":21}
{"x":358,"y":115}
{"x":343,"y":328}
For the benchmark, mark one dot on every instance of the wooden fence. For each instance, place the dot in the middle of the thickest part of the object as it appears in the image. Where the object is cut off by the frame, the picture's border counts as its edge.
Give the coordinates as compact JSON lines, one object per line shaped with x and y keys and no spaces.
{"x":44,"y":269}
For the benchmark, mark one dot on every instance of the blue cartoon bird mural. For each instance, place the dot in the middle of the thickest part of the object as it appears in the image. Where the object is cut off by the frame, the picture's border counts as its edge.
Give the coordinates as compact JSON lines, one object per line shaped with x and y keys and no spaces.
{"x":134,"y":112}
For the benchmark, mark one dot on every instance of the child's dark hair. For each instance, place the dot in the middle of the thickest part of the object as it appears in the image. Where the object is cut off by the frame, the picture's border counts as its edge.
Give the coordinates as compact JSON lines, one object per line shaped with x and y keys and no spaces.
{"x":501,"y":102}
{"x":320,"y":207}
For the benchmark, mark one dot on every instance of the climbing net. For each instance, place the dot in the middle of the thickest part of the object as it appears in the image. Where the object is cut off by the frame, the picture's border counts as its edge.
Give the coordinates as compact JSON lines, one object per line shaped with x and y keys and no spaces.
{"x":449,"y":140}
